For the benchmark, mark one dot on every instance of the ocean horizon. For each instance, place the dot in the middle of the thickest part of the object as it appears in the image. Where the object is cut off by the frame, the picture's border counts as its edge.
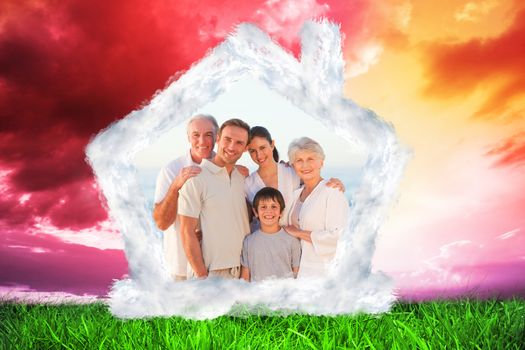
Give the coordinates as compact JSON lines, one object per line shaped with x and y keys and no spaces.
{"x":350,"y":177}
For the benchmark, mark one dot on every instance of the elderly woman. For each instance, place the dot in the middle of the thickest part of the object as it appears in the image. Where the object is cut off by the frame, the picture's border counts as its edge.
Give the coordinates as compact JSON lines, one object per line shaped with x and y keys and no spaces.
{"x":318,"y":213}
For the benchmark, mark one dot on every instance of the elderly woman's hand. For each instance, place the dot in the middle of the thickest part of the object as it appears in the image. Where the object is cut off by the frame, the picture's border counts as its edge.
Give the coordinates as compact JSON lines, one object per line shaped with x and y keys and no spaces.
{"x":292,"y":230}
{"x":296,"y":232}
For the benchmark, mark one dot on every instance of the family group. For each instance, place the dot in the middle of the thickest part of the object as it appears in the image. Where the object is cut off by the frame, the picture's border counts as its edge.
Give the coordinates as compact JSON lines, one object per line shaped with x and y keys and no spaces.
{"x":282,"y":221}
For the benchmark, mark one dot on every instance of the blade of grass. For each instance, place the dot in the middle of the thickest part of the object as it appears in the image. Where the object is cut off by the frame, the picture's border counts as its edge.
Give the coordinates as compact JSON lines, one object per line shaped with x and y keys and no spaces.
{"x":421,"y":344}
{"x":55,"y":337}
{"x":308,"y":341}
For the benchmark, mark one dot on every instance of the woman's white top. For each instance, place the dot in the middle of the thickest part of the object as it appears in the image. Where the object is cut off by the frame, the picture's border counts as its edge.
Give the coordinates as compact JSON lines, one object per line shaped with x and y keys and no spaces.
{"x":294,"y":217}
{"x":287,"y":183}
{"x":325,"y":212}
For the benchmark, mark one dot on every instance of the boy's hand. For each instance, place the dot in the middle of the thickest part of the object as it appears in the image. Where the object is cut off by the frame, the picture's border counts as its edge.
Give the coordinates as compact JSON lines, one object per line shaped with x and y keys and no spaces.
{"x":245,"y":273}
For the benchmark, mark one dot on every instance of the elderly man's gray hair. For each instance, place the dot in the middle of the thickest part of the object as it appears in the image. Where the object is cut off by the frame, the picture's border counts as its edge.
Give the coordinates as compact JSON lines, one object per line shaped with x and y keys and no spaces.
{"x":304,"y":144}
{"x":207,"y":117}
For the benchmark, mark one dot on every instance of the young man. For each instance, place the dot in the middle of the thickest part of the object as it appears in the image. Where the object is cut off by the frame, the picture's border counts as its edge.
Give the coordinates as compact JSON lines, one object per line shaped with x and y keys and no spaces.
{"x":216,"y":198}
{"x":269,"y":252}
{"x":202,"y":130}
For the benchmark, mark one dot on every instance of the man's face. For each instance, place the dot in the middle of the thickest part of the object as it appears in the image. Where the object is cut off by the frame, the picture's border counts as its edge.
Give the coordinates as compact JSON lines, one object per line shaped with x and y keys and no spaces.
{"x":201,"y":138}
{"x":231,"y":144}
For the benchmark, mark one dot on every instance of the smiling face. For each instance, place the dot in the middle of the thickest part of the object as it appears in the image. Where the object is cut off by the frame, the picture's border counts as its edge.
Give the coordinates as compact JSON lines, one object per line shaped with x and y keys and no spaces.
{"x":231,"y":143}
{"x":202,"y":139}
{"x":269,"y":212}
{"x":307,"y":164}
{"x":261,"y":151}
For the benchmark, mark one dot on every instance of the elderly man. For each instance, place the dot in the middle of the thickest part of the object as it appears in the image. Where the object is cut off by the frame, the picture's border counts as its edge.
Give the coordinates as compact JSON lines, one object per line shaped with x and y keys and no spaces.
{"x":216,"y":197}
{"x":202,"y":130}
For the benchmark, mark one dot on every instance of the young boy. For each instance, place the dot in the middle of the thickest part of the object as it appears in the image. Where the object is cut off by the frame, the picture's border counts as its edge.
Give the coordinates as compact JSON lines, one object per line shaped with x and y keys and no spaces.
{"x":269,"y":252}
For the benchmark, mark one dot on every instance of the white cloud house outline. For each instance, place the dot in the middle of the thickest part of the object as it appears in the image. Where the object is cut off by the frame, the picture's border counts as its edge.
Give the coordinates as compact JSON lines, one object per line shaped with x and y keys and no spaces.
{"x":315,"y":85}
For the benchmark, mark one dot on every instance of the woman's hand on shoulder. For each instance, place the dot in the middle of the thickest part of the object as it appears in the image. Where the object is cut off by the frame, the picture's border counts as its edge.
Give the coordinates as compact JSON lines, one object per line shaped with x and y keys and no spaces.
{"x":243,"y":170}
{"x":297,"y":232}
{"x":336,"y":183}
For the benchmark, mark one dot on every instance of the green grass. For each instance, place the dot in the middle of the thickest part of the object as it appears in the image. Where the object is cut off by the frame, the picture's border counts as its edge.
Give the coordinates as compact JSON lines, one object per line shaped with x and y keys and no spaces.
{"x":471,"y":324}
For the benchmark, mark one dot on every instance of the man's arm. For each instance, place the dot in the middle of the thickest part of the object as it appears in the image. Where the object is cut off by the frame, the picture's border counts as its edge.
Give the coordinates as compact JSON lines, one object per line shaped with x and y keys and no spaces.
{"x":191,"y":245}
{"x":245,"y":273}
{"x":165,"y":212}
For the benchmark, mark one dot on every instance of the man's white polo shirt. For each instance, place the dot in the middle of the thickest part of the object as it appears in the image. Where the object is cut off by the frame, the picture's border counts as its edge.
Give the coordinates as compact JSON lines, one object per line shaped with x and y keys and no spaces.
{"x":174,"y":255}
{"x":218,"y":201}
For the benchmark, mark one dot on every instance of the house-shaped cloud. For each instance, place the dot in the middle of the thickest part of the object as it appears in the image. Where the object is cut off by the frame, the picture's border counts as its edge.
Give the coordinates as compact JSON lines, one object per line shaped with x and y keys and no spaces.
{"x":315,"y":85}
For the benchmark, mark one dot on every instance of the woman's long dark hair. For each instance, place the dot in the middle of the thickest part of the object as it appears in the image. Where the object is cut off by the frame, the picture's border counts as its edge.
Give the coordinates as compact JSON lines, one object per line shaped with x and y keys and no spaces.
{"x":259,"y":131}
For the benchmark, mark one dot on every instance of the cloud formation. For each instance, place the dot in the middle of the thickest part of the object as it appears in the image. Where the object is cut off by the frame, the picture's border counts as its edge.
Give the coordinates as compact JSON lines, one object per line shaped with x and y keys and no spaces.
{"x":509,"y":152}
{"x":316,"y":84}
{"x":471,"y":11}
{"x":45,"y":263}
{"x":468,"y":267}
{"x":456,"y":69}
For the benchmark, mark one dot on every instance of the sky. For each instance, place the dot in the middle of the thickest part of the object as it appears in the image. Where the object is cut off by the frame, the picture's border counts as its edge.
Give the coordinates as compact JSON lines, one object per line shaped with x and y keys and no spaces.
{"x":448,"y":76}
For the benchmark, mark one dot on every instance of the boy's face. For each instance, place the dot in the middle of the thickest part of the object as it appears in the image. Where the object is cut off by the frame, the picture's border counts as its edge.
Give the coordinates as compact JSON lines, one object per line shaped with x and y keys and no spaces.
{"x":268,"y":212}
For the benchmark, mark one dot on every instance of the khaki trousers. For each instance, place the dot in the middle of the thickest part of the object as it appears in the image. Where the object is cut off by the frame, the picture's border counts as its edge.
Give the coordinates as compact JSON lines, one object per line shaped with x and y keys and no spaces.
{"x":229,"y":273}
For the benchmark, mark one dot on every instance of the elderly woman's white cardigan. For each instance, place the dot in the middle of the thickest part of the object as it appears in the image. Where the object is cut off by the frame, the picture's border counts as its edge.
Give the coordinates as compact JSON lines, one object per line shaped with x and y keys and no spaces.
{"x":325,"y":212}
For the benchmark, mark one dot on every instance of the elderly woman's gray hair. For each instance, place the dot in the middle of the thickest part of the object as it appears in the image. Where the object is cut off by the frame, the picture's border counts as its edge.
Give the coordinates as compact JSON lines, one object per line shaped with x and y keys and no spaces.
{"x":304,"y":144}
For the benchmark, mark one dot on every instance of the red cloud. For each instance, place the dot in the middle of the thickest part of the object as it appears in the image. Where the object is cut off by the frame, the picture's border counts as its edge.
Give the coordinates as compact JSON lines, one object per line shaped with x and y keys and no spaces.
{"x":510,"y":151}
{"x":69,"y":69}
{"x":75,"y":206}
{"x":495,"y":64}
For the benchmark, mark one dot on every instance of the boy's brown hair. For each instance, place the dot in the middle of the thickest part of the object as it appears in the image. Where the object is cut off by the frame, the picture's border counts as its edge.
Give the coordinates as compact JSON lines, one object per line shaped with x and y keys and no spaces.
{"x":268,"y":193}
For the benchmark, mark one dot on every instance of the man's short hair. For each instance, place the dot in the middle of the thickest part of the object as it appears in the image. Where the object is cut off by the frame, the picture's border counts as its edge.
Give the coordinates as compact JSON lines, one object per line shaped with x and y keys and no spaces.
{"x":238,"y":123}
{"x":207,"y":117}
{"x":268,"y":193}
